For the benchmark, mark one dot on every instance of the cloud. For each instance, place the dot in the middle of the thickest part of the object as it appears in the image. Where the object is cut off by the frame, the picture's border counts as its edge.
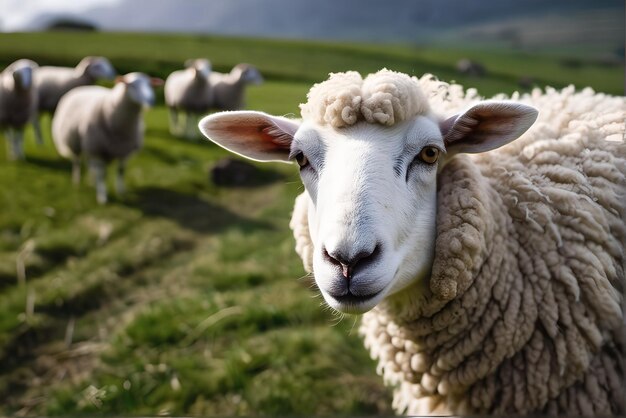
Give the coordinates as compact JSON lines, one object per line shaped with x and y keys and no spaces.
{"x":16,"y":14}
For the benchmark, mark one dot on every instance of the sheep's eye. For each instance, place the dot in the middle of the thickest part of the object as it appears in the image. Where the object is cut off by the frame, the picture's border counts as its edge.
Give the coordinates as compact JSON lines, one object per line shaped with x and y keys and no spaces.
{"x":429,"y":155}
{"x":302,"y":160}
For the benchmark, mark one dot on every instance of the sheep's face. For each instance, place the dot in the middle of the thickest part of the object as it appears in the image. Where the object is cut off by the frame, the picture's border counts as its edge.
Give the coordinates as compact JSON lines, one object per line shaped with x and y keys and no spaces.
{"x":251,"y":75}
{"x":372,"y":188}
{"x":22,"y":72}
{"x":140,"y":91}
{"x":139,"y":88}
{"x":23,"y":78}
{"x":99,"y":68}
{"x":202,"y":67}
{"x":373,"y":204}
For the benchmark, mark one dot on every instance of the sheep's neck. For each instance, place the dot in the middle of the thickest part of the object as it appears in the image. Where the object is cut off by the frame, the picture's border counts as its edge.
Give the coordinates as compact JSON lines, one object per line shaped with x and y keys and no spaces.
{"x":454,"y":271}
{"x":82,"y":77}
{"x":235,"y":77}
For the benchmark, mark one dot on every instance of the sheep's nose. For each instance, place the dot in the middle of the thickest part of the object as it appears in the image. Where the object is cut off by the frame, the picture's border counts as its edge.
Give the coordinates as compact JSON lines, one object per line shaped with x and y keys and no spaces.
{"x":349,"y":264}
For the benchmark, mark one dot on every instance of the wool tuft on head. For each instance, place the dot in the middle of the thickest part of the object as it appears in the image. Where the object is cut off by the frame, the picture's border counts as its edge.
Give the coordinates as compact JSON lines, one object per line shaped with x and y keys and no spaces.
{"x":386,"y":97}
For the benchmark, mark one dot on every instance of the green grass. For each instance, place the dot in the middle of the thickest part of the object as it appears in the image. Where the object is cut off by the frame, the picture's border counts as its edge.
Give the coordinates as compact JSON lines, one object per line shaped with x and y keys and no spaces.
{"x":183,"y":297}
{"x":178,"y":281}
{"x":308,"y":61}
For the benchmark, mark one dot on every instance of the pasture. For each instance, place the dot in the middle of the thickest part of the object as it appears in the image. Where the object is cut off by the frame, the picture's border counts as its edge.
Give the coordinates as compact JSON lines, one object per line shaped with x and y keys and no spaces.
{"x":183,"y":297}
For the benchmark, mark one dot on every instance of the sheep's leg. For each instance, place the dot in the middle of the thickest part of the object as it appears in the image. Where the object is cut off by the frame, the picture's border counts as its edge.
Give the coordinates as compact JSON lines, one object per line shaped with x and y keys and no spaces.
{"x":13,"y":152}
{"x":182,"y":119}
{"x":76,"y":171}
{"x":37,"y":129}
{"x":98,"y":168}
{"x":173,"y":121}
{"x":120,"y":186}
{"x":190,"y":126}
{"x":19,"y":144}
{"x":8,"y":133}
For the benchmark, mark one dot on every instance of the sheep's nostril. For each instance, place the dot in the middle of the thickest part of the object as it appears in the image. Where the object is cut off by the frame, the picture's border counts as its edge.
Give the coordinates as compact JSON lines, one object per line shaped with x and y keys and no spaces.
{"x":329,"y":258}
{"x":369,"y":257}
{"x":349,"y":264}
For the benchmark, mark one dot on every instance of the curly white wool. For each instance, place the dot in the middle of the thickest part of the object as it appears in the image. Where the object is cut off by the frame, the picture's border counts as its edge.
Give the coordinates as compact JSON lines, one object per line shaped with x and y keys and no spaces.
{"x":386,"y":97}
{"x":547,"y":317}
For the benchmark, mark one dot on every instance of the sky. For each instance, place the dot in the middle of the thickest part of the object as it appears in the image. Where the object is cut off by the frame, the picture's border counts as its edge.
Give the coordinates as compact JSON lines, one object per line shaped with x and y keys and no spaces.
{"x":14,"y":14}
{"x":414,"y":21}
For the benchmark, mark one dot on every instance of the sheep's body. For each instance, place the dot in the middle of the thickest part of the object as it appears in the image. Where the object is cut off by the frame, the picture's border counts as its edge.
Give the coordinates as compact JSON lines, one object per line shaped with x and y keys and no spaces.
{"x":229,"y":89}
{"x":54,"y":82}
{"x":82,"y":125}
{"x":18,"y":103}
{"x":17,"y":106}
{"x":188,"y":93}
{"x":523,"y":310}
{"x":102,"y":125}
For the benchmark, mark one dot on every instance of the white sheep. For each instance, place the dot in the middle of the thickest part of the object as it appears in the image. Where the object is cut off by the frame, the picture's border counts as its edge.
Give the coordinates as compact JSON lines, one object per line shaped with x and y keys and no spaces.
{"x":53,"y":82}
{"x":229,"y":89}
{"x":103,"y":125}
{"x":18,"y":104}
{"x":188,"y":94}
{"x":494,"y":281}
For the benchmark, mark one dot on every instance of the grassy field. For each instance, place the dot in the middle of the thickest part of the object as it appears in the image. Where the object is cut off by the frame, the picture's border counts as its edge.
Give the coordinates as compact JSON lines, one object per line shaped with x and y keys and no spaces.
{"x":183,"y":297}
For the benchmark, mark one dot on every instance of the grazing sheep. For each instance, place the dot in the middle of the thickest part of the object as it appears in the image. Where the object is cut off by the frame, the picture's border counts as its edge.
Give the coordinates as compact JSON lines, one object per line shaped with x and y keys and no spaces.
{"x":228,"y":89}
{"x":494,"y":281}
{"x":471,"y":68}
{"x":188,"y":92}
{"x":103,"y":125}
{"x":18,"y":103}
{"x":53,"y":82}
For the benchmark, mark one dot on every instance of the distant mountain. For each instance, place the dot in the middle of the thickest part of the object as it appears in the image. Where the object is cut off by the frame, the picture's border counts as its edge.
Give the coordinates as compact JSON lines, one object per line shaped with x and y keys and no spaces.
{"x":65,"y":24}
{"x":61,"y":21}
{"x":371,"y":20}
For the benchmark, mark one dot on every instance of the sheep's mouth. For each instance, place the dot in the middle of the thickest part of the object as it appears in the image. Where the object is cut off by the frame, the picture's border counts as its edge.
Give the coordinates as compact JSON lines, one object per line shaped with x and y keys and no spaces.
{"x":352,"y":299}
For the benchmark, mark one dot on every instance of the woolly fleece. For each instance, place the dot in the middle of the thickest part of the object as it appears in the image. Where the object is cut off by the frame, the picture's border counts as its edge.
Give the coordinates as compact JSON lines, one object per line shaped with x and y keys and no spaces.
{"x":385,"y":97}
{"x":523,"y":312}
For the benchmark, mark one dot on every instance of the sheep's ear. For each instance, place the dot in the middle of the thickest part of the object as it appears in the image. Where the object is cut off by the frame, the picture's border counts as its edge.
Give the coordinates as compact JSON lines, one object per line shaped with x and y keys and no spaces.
{"x":486,"y":126}
{"x":254,"y":135}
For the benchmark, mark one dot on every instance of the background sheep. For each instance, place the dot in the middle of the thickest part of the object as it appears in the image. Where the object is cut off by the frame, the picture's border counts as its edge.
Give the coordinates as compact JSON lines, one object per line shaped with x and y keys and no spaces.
{"x":18,"y":103}
{"x":188,"y":93}
{"x":469,"y":67}
{"x":103,"y":125}
{"x":229,"y":89}
{"x":496,"y":280}
{"x":53,"y":82}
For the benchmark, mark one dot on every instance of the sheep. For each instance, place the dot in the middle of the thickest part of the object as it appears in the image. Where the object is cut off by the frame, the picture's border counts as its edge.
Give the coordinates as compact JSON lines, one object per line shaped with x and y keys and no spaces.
{"x":471,"y":68}
{"x":18,"y":103}
{"x":188,"y":92}
{"x":228,"y":89}
{"x":103,"y":125}
{"x":490,"y":276}
{"x":53,"y":82}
